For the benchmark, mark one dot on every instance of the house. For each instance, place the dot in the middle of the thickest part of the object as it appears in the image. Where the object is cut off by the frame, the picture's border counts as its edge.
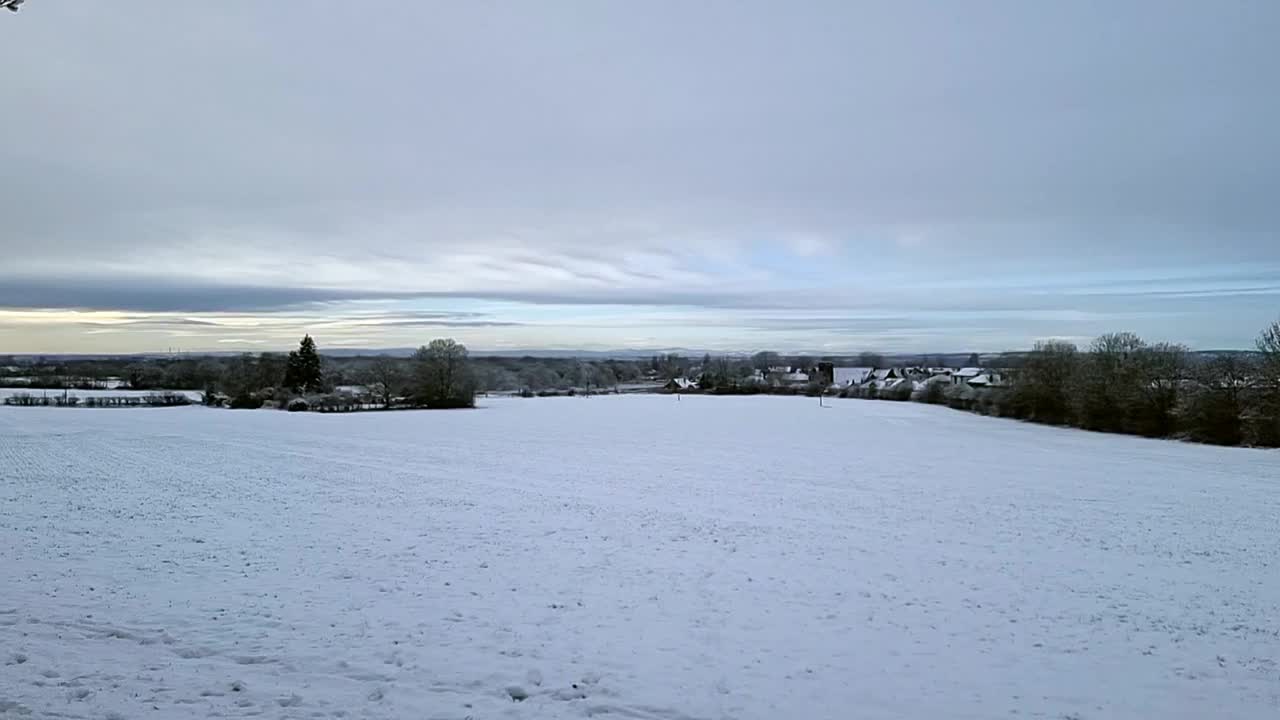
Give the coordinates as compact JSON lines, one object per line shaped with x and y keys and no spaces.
{"x":680,"y":384}
{"x":986,"y":379}
{"x":976,"y":378}
{"x":916,"y":374}
{"x":849,"y":376}
{"x":883,"y":375}
{"x":932,"y":380}
{"x":893,"y":384}
{"x":795,"y":378}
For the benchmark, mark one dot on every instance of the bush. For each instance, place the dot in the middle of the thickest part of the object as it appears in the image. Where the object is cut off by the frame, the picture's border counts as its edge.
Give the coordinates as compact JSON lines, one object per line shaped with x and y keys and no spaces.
{"x":1260,"y":432}
{"x":959,"y":397}
{"x":298,"y":405}
{"x":167,"y":399}
{"x":900,"y":393}
{"x":245,"y":401}
{"x":933,"y":393}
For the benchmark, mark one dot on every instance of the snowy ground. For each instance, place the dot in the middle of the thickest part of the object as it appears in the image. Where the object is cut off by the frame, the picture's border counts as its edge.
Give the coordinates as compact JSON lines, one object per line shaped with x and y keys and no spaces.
{"x":194,"y":395}
{"x":630,"y":557}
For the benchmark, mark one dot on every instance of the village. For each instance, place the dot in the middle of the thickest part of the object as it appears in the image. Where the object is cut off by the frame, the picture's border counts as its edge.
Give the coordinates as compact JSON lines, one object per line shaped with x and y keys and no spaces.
{"x":832,"y":379}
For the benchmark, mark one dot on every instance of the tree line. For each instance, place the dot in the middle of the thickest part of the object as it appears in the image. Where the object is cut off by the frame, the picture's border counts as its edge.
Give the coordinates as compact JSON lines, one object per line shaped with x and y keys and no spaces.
{"x":438,"y":375}
{"x":247,"y":374}
{"x":1122,"y":384}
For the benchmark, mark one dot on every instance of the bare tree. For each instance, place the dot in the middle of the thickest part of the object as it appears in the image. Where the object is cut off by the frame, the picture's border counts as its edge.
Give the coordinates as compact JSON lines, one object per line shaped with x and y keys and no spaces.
{"x":384,"y":379}
{"x":1043,"y":390}
{"x":1214,"y":409}
{"x":442,"y":375}
{"x":1159,"y":371}
{"x":1269,"y":346}
{"x":1108,"y":381}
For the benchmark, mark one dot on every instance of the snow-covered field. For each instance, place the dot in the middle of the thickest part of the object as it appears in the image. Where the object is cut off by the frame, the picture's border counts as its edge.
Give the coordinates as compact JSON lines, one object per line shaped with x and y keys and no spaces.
{"x":630,"y":557}
{"x":194,"y":395}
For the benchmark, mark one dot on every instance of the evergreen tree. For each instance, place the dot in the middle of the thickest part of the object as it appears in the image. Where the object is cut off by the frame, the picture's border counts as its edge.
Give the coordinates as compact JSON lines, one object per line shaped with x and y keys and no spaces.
{"x":302,"y":370}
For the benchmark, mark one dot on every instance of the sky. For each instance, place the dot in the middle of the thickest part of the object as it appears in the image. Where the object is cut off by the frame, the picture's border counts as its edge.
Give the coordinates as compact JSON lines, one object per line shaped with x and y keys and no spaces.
{"x":813,"y":176}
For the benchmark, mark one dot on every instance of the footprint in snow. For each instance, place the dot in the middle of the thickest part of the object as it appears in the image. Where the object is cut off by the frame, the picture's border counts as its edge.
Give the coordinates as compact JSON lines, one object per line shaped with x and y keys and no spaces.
{"x":517,"y":693}
{"x":79,"y":694}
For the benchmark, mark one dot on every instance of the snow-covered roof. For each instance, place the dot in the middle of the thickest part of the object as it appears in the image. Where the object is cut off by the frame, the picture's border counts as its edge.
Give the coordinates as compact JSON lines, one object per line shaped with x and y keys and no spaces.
{"x":843,"y":376}
{"x":968,"y":372}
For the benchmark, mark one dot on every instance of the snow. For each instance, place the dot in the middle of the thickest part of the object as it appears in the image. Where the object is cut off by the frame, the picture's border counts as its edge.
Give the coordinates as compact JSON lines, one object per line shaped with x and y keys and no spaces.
{"x":194,"y":395}
{"x":630,"y":557}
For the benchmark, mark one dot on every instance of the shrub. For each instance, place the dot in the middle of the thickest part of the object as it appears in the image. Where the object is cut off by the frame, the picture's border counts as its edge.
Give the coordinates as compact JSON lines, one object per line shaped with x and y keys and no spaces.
{"x":959,"y":397}
{"x":245,"y":401}
{"x":934,"y":393}
{"x":901,"y":392}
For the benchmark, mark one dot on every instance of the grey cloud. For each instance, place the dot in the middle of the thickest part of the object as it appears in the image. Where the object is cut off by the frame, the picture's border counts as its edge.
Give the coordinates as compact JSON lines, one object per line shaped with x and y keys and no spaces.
{"x":1023,"y":138}
{"x":442,"y":323}
{"x":149,"y":294}
{"x":829,"y":114}
{"x":145,"y":322}
{"x":142,"y":293}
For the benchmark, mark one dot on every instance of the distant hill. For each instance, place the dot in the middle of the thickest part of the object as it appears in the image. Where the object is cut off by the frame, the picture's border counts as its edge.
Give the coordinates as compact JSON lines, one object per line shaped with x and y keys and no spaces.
{"x":852,"y":359}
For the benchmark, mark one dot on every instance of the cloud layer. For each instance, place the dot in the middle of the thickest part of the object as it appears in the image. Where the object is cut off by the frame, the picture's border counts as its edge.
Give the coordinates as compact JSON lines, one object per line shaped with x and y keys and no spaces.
{"x":738,"y":175}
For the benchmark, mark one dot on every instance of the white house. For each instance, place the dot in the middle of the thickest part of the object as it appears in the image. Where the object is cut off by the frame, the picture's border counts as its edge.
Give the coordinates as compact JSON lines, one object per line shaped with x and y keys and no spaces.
{"x":986,"y":379}
{"x":976,"y":377}
{"x":849,"y":376}
{"x":681,"y":383}
{"x":884,"y":375}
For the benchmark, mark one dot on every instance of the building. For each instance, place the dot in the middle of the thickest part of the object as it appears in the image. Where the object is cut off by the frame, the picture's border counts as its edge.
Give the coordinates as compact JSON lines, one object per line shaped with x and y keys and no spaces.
{"x":850,"y":376}
{"x":680,"y":384}
{"x":884,"y":375}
